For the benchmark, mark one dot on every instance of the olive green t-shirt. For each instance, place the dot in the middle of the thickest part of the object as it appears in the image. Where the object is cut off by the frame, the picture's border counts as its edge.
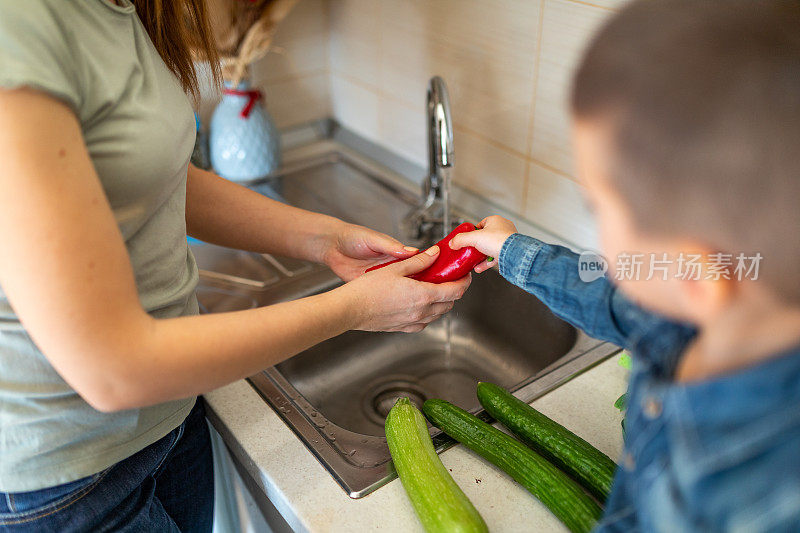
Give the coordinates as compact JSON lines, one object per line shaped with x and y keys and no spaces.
{"x":138,"y":125}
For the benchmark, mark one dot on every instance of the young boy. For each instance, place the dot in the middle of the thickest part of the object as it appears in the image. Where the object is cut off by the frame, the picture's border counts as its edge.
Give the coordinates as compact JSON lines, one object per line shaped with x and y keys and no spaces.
{"x":687,"y":135}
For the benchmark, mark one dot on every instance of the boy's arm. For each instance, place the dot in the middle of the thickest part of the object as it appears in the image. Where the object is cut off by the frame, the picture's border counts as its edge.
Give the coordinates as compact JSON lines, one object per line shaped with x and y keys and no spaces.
{"x":550,"y":272}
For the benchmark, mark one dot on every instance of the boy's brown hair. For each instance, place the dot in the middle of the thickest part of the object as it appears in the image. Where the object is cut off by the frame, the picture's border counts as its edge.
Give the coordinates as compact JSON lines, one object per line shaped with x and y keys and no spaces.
{"x":702,"y":99}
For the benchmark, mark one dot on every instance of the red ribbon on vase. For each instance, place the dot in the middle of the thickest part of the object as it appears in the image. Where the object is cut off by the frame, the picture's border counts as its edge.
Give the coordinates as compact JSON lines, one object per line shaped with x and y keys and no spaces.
{"x":253,"y":96}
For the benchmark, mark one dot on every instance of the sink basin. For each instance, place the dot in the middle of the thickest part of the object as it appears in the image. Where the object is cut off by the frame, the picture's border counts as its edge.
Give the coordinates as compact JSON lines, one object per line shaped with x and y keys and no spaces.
{"x":498,"y":334}
{"x":336,"y":395}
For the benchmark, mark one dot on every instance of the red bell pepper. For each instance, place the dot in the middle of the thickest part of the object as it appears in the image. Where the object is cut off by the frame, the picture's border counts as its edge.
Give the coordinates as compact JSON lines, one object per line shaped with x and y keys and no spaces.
{"x":451,"y":264}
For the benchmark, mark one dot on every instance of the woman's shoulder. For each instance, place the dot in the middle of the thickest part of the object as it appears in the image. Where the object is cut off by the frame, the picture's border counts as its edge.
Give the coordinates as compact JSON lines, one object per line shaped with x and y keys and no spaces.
{"x":42,"y":20}
{"x":37,"y":47}
{"x":34,"y":12}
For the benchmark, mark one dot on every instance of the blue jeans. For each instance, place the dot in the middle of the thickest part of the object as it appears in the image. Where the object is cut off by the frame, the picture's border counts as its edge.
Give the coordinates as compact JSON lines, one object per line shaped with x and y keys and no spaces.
{"x":168,"y":486}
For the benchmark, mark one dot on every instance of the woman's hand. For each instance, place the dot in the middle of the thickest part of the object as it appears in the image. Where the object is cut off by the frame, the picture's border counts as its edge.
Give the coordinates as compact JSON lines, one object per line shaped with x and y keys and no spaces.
{"x":386,"y":300}
{"x":353,"y":249}
{"x":492,"y":232}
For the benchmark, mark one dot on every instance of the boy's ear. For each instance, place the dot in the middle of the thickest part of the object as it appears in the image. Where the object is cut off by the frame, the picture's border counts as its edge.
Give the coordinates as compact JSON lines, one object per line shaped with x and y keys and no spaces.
{"x":707,"y":298}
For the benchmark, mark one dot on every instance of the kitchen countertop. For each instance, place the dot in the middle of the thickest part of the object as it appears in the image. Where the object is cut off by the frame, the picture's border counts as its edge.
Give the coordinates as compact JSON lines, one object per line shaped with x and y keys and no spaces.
{"x":309,"y":499}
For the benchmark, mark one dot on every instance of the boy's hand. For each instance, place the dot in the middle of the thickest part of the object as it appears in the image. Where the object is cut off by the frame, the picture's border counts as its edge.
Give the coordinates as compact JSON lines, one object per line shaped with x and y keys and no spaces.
{"x":492,"y":232}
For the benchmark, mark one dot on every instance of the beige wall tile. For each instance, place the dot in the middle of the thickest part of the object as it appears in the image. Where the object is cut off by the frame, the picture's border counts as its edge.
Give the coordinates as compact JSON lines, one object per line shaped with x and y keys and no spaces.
{"x":489,"y":170}
{"x":608,"y":4}
{"x":298,"y":100}
{"x":294,"y":76}
{"x":355,"y":38}
{"x":484,"y":50}
{"x":300,"y":46}
{"x":487,"y":53}
{"x":566,"y":28}
{"x":355,"y":106}
{"x":403,"y":129}
{"x":555,"y":202}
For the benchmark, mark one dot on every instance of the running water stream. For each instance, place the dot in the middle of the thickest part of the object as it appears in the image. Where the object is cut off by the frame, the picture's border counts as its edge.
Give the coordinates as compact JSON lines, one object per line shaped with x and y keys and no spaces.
{"x":446,"y":228}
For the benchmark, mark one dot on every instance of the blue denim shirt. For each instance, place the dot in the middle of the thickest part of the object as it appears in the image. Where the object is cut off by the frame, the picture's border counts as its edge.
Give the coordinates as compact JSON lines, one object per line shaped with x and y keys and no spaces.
{"x":716,"y":455}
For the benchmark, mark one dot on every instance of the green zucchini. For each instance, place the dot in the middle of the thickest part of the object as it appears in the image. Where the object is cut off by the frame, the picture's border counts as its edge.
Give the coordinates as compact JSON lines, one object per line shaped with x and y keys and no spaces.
{"x":589,"y":466}
{"x":563,"y":496}
{"x":440,"y":505}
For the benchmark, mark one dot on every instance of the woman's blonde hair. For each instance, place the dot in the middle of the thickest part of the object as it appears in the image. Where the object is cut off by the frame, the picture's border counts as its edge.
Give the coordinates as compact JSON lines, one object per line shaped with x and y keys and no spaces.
{"x":181,"y":32}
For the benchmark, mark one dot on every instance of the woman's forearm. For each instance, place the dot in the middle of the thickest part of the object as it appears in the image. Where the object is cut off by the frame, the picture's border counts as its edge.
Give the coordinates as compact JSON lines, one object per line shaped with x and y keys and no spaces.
{"x":162,"y":360}
{"x":225,"y":213}
{"x":124,"y":359}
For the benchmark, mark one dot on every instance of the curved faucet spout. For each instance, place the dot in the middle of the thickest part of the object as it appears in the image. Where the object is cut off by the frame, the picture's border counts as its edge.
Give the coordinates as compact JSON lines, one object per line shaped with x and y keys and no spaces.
{"x":440,"y":127}
{"x":434,"y":210}
{"x":440,"y":139}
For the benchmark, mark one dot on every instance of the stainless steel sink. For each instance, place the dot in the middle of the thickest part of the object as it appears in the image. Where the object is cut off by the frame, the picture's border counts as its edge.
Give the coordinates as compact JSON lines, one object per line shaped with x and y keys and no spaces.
{"x":498,"y":334}
{"x":335,"y":396}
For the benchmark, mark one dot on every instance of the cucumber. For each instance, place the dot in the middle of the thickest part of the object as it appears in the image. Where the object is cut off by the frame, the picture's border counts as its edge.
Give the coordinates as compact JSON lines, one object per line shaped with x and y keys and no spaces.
{"x":589,"y":466}
{"x":440,"y":505}
{"x":563,"y":496}
{"x":622,"y":402}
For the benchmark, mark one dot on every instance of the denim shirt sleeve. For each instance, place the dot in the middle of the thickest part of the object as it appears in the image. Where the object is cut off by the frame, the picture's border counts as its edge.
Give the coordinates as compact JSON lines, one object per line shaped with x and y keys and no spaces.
{"x":550,"y":273}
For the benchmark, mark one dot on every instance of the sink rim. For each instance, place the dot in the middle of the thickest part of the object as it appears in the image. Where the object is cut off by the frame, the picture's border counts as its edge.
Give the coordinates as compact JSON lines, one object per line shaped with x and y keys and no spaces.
{"x":360,"y":480}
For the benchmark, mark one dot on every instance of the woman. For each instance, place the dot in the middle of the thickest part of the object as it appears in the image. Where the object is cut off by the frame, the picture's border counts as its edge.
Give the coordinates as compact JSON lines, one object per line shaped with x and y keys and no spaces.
{"x":101,"y":351}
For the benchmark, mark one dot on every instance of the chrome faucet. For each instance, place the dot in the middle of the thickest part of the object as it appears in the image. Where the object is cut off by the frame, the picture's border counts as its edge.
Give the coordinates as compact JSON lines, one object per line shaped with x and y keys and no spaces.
{"x":440,"y":139}
{"x":421,"y":222}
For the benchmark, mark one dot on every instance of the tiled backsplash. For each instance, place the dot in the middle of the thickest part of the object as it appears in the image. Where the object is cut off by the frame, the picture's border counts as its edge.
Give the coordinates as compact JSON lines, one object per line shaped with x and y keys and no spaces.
{"x":295,"y":75}
{"x":507,"y":64}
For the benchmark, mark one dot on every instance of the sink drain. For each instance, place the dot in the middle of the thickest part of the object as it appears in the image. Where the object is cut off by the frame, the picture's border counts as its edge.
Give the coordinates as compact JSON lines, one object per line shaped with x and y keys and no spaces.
{"x":381,"y":398}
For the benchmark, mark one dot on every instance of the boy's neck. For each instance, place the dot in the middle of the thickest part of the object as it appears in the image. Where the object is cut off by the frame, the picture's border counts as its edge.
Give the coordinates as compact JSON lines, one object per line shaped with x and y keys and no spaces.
{"x":743,"y":337}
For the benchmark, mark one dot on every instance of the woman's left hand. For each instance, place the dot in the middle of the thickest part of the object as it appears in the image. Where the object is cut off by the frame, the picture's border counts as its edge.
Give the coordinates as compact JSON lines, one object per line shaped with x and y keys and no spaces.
{"x":353,"y":249}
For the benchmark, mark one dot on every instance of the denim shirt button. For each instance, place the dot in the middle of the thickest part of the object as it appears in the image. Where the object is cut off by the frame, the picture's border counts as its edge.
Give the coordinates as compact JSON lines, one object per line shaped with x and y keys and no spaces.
{"x":652,"y":408}
{"x":628,"y":462}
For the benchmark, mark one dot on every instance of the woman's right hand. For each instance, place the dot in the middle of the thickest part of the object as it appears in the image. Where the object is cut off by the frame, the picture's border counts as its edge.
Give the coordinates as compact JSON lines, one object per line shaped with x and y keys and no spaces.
{"x":386,"y":300}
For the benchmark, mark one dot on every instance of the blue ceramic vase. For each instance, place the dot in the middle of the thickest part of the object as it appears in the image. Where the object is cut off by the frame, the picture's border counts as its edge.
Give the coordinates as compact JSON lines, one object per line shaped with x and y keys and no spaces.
{"x":243,"y":140}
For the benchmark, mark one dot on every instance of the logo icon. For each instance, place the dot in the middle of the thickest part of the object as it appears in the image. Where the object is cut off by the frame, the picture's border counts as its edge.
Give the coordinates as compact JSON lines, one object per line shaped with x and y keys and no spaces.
{"x":591,"y":266}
